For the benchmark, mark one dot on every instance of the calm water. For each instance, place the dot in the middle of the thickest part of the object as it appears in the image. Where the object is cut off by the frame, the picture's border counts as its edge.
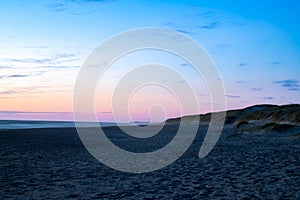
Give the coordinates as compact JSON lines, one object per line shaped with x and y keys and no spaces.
{"x":28,"y":124}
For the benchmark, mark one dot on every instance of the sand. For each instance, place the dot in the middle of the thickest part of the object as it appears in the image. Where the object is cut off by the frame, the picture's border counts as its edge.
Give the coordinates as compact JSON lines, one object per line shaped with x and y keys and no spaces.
{"x":52,"y":163}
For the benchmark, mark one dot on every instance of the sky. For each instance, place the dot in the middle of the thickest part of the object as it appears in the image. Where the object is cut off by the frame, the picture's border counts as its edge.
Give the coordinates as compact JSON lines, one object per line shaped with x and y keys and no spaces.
{"x":254,"y":44}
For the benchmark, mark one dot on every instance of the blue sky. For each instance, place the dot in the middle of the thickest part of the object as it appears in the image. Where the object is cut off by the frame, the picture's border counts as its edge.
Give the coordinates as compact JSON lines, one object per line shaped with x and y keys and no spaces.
{"x":255,"y":45}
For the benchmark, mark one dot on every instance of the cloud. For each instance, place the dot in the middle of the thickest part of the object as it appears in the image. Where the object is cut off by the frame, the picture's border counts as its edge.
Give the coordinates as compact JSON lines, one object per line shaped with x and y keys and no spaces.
{"x":243,"y":81}
{"x":57,"y":67}
{"x":290,"y":84}
{"x":33,"y":90}
{"x":6,"y":67}
{"x":57,"y":7}
{"x":275,"y":63}
{"x":185,"y":32}
{"x":20,"y":115}
{"x":203,"y":95}
{"x":8,"y":92}
{"x":29,"y":60}
{"x":66,"y":6}
{"x":240,"y":82}
{"x":268,"y":98}
{"x":29,"y":112}
{"x":18,"y":75}
{"x":207,"y":14}
{"x":242,"y":64}
{"x":184,"y":65}
{"x":15,"y":76}
{"x":105,"y":112}
{"x":172,"y":81}
{"x":54,"y":59}
{"x":210,"y":26}
{"x":232,"y":96}
{"x":223,"y":46}
{"x":35,"y":47}
{"x":88,"y":1}
{"x":63,"y":55}
{"x":256,"y":89}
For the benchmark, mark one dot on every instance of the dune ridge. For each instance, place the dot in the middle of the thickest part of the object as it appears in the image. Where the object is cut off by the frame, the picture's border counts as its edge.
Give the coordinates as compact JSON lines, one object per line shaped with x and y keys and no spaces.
{"x":256,"y":118}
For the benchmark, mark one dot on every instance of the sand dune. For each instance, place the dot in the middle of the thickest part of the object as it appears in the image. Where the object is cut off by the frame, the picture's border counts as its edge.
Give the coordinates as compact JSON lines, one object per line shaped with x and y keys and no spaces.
{"x":264,"y":118}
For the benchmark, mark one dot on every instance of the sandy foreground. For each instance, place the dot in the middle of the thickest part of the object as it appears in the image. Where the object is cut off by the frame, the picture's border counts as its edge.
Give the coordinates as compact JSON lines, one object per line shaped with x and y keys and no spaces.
{"x":53,"y":163}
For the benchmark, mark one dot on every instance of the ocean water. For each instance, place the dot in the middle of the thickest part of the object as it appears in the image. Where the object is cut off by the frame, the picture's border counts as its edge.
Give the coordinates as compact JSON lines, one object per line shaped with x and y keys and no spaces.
{"x":30,"y":124}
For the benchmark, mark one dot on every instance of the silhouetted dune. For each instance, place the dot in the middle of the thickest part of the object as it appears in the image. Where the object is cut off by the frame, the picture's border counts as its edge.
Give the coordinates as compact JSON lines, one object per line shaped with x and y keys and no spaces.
{"x":258,"y":118}
{"x":286,"y":113}
{"x":272,"y":113}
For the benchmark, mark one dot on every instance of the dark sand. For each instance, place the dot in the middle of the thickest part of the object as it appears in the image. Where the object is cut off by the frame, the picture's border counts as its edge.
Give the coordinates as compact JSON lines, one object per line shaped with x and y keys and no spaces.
{"x":53,"y":163}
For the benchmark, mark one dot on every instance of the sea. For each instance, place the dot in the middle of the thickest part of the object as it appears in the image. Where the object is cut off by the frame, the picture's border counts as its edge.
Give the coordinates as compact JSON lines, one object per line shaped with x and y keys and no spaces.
{"x":30,"y":124}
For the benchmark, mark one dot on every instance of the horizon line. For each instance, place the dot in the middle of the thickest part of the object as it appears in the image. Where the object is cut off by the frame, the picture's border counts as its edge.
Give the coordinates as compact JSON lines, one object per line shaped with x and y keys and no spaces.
{"x":110,"y":121}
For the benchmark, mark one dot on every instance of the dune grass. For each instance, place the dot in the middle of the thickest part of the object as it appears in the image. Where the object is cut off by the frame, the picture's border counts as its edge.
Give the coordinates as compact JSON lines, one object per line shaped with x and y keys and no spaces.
{"x":270,"y":127}
{"x":297,"y":135}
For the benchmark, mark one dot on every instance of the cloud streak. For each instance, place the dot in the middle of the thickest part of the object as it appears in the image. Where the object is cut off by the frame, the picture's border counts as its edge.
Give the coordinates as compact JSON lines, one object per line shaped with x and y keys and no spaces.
{"x":232,"y":96}
{"x":57,"y":7}
{"x":185,"y":32}
{"x":242,"y":64}
{"x":54,"y":59}
{"x":210,"y":26}
{"x":289,"y":84}
{"x":18,"y":75}
{"x":256,"y":89}
{"x":6,"y":67}
{"x":33,"y":90}
{"x":275,"y":63}
{"x":57,"y":67}
{"x":35,"y":47}
{"x":268,"y":98}
{"x":67,"y":5}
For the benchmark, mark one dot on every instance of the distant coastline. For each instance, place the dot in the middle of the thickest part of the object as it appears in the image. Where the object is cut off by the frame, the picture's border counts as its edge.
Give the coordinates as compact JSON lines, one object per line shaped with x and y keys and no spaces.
{"x":257,"y":114}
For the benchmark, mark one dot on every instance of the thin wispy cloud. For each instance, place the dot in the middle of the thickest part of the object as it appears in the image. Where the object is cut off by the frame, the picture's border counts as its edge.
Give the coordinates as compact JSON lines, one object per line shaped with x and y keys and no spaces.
{"x":185,"y":32}
{"x":68,"y":5}
{"x":18,"y":75}
{"x":232,"y":96}
{"x":256,"y":89}
{"x":6,"y":67}
{"x":223,"y":46}
{"x":15,"y":76}
{"x":242,"y":64}
{"x":29,"y":112}
{"x":182,"y":28}
{"x":63,"y":55}
{"x":8,"y":92}
{"x":58,"y":67}
{"x":268,"y":98}
{"x":54,"y":59}
{"x":89,"y":1}
{"x":35,"y":47}
{"x":289,"y":84}
{"x":275,"y":63}
{"x":243,"y":81}
{"x":210,"y":26}
{"x":20,"y":115}
{"x":207,"y":14}
{"x":57,"y":7}
{"x":29,"y":60}
{"x":105,"y":112}
{"x":33,"y":90}
{"x":184,"y":65}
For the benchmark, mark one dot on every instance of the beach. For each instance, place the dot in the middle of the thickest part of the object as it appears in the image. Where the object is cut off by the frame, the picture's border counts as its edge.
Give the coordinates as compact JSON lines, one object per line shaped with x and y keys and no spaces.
{"x":52,"y":163}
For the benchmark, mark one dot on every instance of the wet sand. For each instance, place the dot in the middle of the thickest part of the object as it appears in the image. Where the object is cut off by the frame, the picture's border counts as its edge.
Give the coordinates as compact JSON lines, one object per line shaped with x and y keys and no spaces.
{"x":52,"y":163}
